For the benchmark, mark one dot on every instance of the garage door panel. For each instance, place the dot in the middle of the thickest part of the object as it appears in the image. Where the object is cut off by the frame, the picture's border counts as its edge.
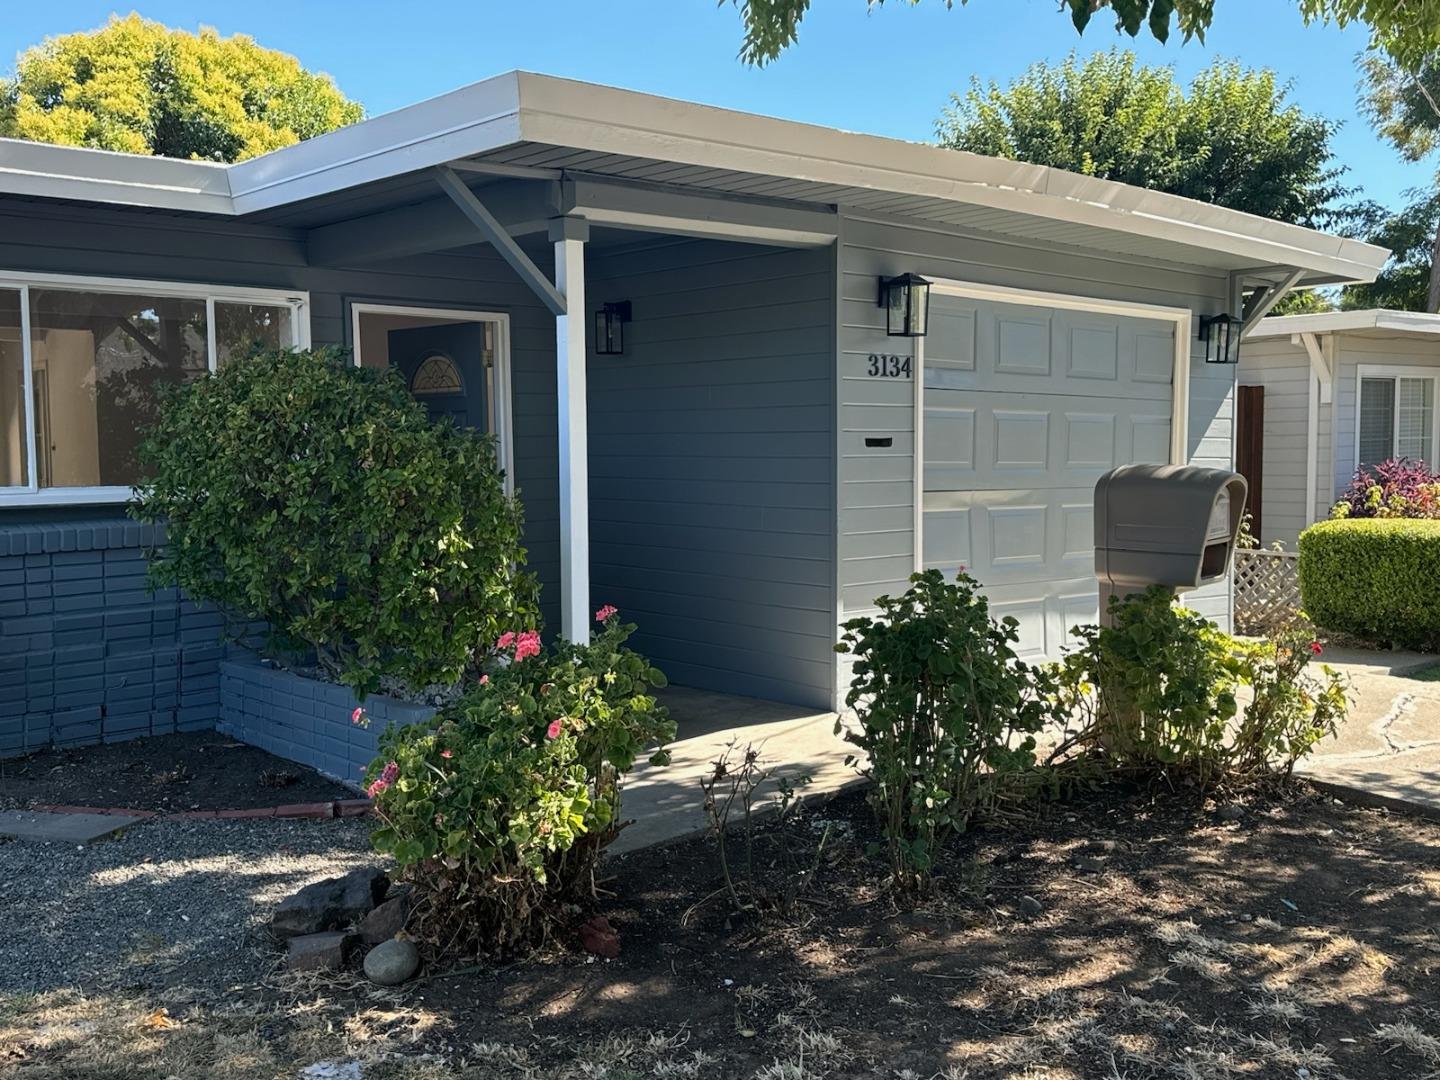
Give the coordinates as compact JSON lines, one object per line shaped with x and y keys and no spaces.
{"x":1029,"y":407}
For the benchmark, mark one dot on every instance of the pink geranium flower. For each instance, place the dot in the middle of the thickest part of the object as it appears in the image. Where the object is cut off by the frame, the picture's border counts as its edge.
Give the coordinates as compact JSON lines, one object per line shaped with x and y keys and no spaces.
{"x":376,"y":789}
{"x":527,"y":644}
{"x":447,"y":754}
{"x":553,"y":731}
{"x":484,"y":680}
{"x":506,"y":640}
{"x":1316,"y":648}
{"x":605,"y":612}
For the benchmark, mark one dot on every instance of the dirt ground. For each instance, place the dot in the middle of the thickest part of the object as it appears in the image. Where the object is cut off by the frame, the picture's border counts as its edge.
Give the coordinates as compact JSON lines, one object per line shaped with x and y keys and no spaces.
{"x":198,"y":771}
{"x":1162,"y":940}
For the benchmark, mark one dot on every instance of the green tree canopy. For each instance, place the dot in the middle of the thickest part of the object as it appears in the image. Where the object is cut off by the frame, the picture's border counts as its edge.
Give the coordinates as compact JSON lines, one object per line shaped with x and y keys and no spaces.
{"x":1409,"y":233}
{"x":1232,"y":138}
{"x":1407,"y":30}
{"x":143,"y":88}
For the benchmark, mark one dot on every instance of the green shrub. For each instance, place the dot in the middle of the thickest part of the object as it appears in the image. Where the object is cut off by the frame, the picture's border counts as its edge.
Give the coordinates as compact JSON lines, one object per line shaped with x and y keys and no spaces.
{"x":498,"y":808}
{"x":299,"y":489}
{"x":1291,"y":710}
{"x":947,"y":714}
{"x":1378,"y":579}
{"x":1160,"y":689}
{"x":1154,"y":689}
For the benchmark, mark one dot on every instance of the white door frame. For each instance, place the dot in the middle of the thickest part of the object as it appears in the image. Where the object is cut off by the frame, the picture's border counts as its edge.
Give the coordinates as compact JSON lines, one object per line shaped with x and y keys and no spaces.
{"x":503,"y":416}
{"x":1180,"y":403}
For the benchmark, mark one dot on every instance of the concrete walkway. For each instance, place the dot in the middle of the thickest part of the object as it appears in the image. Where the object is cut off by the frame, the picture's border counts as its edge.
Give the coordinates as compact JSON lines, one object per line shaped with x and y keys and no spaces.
{"x":1389,"y":747}
{"x":667,"y":803}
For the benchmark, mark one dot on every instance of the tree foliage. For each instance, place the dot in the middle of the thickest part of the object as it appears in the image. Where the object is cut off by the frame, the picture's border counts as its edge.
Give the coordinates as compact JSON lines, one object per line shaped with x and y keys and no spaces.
{"x":142,"y":88}
{"x":1232,"y":138}
{"x":1406,"y":30}
{"x":1409,"y":233}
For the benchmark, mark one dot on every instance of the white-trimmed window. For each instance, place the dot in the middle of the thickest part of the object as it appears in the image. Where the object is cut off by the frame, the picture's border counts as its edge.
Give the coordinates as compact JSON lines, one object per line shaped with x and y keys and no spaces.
{"x":1396,"y":417}
{"x":80,"y":361}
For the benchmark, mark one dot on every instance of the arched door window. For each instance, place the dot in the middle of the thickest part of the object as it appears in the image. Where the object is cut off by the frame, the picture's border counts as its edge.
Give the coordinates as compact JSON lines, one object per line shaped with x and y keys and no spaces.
{"x":437,"y":374}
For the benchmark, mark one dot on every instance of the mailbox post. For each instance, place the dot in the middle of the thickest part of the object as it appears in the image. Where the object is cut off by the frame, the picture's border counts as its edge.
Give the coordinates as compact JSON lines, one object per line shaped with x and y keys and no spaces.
{"x":1171,"y":525}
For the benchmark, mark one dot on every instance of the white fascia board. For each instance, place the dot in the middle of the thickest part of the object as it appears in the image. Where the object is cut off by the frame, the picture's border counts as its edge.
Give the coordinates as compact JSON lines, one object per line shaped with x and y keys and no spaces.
{"x":73,"y":172}
{"x":603,"y":119}
{"x":1331,"y":322}
{"x":472,"y":120}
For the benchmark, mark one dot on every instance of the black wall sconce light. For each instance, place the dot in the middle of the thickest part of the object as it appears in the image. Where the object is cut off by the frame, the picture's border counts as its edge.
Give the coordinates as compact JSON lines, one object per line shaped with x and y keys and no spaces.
{"x":1221,"y":335}
{"x":610,"y":323}
{"x":906,"y":300}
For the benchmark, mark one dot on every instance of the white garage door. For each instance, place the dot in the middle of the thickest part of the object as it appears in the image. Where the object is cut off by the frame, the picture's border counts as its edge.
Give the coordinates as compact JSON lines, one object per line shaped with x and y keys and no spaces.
{"x":1025,"y":407}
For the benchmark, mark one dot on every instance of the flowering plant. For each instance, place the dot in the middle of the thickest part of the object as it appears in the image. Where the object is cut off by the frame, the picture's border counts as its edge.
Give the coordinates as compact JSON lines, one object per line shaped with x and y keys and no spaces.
{"x":497,"y":809}
{"x":1398,"y":488}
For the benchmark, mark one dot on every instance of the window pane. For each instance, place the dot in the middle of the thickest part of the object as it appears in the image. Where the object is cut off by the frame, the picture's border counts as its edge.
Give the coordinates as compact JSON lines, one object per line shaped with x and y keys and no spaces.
{"x":240,"y":329}
{"x":14,"y":446}
{"x":98,"y":358}
{"x":1415,"y":419}
{"x":1377,"y":421}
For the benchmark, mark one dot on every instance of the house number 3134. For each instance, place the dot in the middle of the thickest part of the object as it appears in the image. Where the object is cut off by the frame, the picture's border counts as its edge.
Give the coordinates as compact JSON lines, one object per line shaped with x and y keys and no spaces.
{"x":886,"y":366}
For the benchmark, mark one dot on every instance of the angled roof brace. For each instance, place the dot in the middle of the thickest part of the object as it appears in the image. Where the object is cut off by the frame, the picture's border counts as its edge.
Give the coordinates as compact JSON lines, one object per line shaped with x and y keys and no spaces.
{"x":1262,"y":302}
{"x":491,"y":229}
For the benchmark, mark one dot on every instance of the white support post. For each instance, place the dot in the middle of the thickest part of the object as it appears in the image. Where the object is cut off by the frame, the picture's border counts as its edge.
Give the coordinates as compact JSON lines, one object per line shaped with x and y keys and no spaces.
{"x":569,"y":235}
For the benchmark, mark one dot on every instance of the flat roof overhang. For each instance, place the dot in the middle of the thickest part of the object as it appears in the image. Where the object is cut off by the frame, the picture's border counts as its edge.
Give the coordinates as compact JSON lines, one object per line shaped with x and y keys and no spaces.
{"x":527,"y":126}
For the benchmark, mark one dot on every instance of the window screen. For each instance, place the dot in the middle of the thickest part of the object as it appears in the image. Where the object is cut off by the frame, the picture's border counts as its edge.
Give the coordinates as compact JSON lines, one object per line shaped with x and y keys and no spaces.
{"x":1377,"y":421}
{"x":1415,"y":419}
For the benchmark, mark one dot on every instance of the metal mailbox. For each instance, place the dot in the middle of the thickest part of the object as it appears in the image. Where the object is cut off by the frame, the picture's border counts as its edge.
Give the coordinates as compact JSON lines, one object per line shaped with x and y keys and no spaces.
{"x":1171,"y":525}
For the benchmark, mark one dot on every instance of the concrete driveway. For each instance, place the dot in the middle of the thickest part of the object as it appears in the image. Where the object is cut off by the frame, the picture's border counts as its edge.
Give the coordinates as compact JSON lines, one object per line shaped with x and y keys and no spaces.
{"x":1389,"y":747}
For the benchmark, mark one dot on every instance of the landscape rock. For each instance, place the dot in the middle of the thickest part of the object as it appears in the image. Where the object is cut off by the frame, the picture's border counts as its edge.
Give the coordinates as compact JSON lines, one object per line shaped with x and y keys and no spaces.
{"x":392,"y":962}
{"x":318,"y":952}
{"x":1231,"y":812}
{"x":1090,"y":864}
{"x":600,"y":938}
{"x":387,"y":920}
{"x":331,"y":904}
{"x":1031,"y":908}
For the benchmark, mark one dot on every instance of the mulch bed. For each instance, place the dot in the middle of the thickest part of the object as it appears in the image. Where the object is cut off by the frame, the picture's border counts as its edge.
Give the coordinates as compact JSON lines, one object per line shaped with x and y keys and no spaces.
{"x":166,"y":774}
{"x":1283,"y":935}
{"x":1167,"y":939}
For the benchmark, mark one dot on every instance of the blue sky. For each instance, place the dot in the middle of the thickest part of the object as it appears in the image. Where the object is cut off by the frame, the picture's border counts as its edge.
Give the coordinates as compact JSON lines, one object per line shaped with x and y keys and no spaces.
{"x":888,"y":72}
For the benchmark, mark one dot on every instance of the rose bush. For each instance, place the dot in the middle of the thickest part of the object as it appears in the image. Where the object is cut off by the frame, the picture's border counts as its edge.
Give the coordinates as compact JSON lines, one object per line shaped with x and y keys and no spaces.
{"x":498,"y":809}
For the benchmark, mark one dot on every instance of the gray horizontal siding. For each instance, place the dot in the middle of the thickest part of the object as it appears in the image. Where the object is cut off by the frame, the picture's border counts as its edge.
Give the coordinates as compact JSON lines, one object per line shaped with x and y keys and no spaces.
{"x":1283,"y":370}
{"x":712,"y":502}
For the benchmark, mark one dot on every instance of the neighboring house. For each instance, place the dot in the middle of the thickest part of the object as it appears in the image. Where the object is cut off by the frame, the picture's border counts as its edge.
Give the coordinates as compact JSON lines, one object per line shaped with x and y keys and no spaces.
{"x":1322,"y":395}
{"x":755,"y":463}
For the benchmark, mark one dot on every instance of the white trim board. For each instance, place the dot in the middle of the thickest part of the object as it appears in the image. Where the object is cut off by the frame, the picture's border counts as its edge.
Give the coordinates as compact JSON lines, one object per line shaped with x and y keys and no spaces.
{"x":1180,"y":379}
{"x":1334,"y":322}
{"x":504,"y":414}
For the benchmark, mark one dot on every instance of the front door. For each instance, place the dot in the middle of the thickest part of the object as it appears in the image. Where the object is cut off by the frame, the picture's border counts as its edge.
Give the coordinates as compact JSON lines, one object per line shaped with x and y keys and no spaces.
{"x":444,"y":367}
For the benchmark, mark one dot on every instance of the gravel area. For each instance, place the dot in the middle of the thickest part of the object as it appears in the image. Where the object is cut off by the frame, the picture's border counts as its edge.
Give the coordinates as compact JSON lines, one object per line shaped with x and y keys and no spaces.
{"x":166,"y":902}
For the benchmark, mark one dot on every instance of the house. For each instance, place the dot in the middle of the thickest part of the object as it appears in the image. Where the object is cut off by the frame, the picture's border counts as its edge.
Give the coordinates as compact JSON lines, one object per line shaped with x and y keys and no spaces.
{"x":1324,"y":394}
{"x":742,"y":457}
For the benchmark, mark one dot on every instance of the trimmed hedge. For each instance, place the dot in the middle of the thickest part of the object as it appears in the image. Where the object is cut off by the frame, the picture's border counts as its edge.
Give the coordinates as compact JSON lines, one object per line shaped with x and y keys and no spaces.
{"x":1375,"y":578}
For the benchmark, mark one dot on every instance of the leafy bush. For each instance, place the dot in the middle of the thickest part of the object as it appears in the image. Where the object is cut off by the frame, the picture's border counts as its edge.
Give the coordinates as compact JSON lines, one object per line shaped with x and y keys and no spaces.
{"x":299,"y":489}
{"x":1159,"y":689}
{"x":947,"y":714}
{"x":1399,"y":488}
{"x":1156,"y":688}
{"x":1291,"y":710}
{"x":498,"y":808}
{"x":1375,"y":579}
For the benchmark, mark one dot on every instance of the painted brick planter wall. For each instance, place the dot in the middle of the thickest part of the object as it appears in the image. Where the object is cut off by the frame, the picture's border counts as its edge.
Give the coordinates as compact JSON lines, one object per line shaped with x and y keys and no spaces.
{"x":87,"y":653}
{"x":305,"y":720}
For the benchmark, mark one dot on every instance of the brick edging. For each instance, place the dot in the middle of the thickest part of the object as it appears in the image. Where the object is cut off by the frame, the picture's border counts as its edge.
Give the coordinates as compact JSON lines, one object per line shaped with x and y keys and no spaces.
{"x":335,"y":808}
